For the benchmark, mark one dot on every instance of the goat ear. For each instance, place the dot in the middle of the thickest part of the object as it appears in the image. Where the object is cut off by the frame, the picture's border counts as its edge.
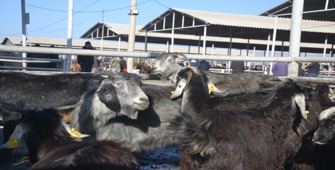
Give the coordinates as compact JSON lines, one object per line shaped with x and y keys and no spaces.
{"x":179,"y":57}
{"x":107,"y":95}
{"x":300,"y":102}
{"x":182,"y":85}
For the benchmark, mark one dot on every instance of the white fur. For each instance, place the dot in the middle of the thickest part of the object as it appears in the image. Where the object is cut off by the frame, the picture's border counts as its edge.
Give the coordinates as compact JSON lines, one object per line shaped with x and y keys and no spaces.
{"x":327,"y":113}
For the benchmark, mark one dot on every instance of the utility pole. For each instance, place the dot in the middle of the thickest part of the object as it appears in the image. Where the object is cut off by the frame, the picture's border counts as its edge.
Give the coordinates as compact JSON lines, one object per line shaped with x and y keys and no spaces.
{"x":132,"y":30}
{"x":24,"y":32}
{"x":67,"y":63}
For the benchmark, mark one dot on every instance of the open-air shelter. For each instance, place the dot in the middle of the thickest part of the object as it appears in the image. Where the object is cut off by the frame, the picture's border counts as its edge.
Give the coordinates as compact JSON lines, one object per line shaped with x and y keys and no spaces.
{"x":203,"y":23}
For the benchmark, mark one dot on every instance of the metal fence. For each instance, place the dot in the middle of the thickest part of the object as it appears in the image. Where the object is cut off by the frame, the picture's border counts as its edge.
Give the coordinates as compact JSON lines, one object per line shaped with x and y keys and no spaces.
{"x":69,"y":52}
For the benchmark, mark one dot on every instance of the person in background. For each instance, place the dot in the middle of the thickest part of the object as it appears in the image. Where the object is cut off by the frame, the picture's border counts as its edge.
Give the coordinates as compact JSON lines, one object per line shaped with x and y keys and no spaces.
{"x":123,"y":64}
{"x":114,"y":64}
{"x":280,"y":69}
{"x":86,"y":61}
{"x":52,"y":56}
{"x":106,"y":63}
{"x":313,"y":69}
{"x":237,"y":66}
{"x":98,"y":65}
{"x":194,"y":63}
{"x":204,"y":65}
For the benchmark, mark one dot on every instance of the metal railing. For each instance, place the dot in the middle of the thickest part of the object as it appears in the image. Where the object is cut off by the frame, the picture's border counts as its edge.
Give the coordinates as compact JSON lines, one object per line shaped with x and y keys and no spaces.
{"x":125,"y":54}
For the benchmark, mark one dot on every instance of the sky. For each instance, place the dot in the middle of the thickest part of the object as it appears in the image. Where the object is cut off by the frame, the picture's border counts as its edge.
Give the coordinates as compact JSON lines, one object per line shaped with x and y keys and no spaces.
{"x":49,"y":18}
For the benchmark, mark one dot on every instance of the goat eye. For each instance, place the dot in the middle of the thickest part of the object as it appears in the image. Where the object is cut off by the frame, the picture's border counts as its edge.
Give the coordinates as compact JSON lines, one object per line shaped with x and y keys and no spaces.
{"x":119,"y":84}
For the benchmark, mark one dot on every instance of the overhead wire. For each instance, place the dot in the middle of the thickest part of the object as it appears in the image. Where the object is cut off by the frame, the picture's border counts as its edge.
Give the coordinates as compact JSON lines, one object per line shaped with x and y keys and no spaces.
{"x":80,"y":11}
{"x":37,"y":29}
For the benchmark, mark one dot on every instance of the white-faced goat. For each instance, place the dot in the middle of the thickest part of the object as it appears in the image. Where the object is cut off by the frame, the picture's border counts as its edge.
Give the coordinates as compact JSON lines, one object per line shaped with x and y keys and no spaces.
{"x":51,"y":145}
{"x":325,"y":134}
{"x":167,"y":65}
{"x":212,"y":136}
{"x":140,"y":130}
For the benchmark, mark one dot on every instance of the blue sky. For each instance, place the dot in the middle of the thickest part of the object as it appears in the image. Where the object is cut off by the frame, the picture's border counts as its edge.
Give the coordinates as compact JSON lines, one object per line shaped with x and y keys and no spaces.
{"x":48,"y":18}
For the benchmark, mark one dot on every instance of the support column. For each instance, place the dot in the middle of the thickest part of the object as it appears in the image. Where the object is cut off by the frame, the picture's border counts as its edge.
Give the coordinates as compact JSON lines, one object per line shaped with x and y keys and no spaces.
{"x":204,"y":41}
{"x":172,"y":33}
{"x":132,"y":30}
{"x":295,"y":36}
{"x":67,"y":63}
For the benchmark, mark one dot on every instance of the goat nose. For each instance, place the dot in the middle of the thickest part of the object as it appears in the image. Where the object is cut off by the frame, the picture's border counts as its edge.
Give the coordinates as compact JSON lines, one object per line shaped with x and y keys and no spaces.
{"x":144,"y":99}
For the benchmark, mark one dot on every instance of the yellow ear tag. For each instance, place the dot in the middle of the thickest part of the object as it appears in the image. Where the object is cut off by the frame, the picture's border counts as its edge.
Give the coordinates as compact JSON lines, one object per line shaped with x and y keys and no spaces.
{"x":13,"y":143}
{"x":330,"y":94}
{"x":306,"y":113}
{"x":172,"y":92}
{"x":75,"y":133}
{"x":210,"y":88}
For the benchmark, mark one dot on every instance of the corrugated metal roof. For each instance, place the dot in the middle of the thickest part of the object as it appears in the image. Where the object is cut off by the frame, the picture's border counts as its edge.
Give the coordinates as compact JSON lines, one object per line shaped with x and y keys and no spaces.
{"x":325,"y":13}
{"x":239,"y":26}
{"x":192,"y":40}
{"x":259,"y":22}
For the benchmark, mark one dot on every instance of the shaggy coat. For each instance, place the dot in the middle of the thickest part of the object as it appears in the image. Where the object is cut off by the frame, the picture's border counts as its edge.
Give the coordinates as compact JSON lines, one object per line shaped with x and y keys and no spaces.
{"x":146,"y":131}
{"x":214,"y":137}
{"x":304,"y":153}
{"x":51,"y":146}
{"x":31,"y":91}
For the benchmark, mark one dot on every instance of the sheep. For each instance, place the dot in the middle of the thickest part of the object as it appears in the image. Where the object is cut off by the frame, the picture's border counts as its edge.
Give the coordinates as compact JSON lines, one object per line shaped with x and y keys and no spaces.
{"x":142,"y":132}
{"x":214,"y":137}
{"x":167,"y":65}
{"x":51,"y":145}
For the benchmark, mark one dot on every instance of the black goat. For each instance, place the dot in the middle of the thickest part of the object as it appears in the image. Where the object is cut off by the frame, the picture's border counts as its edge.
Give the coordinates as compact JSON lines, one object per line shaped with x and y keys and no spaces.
{"x":303,"y":154}
{"x":51,"y":146}
{"x":31,"y":91}
{"x":20,"y":90}
{"x":325,"y":134}
{"x":212,"y":136}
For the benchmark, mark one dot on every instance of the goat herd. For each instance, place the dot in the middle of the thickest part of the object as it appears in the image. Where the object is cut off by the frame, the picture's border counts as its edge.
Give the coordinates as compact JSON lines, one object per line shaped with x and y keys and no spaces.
{"x":229,"y":122}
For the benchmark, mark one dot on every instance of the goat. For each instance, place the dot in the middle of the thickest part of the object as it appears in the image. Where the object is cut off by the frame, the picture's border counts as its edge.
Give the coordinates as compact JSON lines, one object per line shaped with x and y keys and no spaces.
{"x":50,"y":145}
{"x":213,"y":137}
{"x":143,"y":131}
{"x":32,"y":91}
{"x":75,"y":66}
{"x":60,"y":91}
{"x":24,"y":91}
{"x":303,"y":154}
{"x":167,"y":65}
{"x":323,"y":151}
{"x":145,"y":68}
{"x":325,"y":134}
